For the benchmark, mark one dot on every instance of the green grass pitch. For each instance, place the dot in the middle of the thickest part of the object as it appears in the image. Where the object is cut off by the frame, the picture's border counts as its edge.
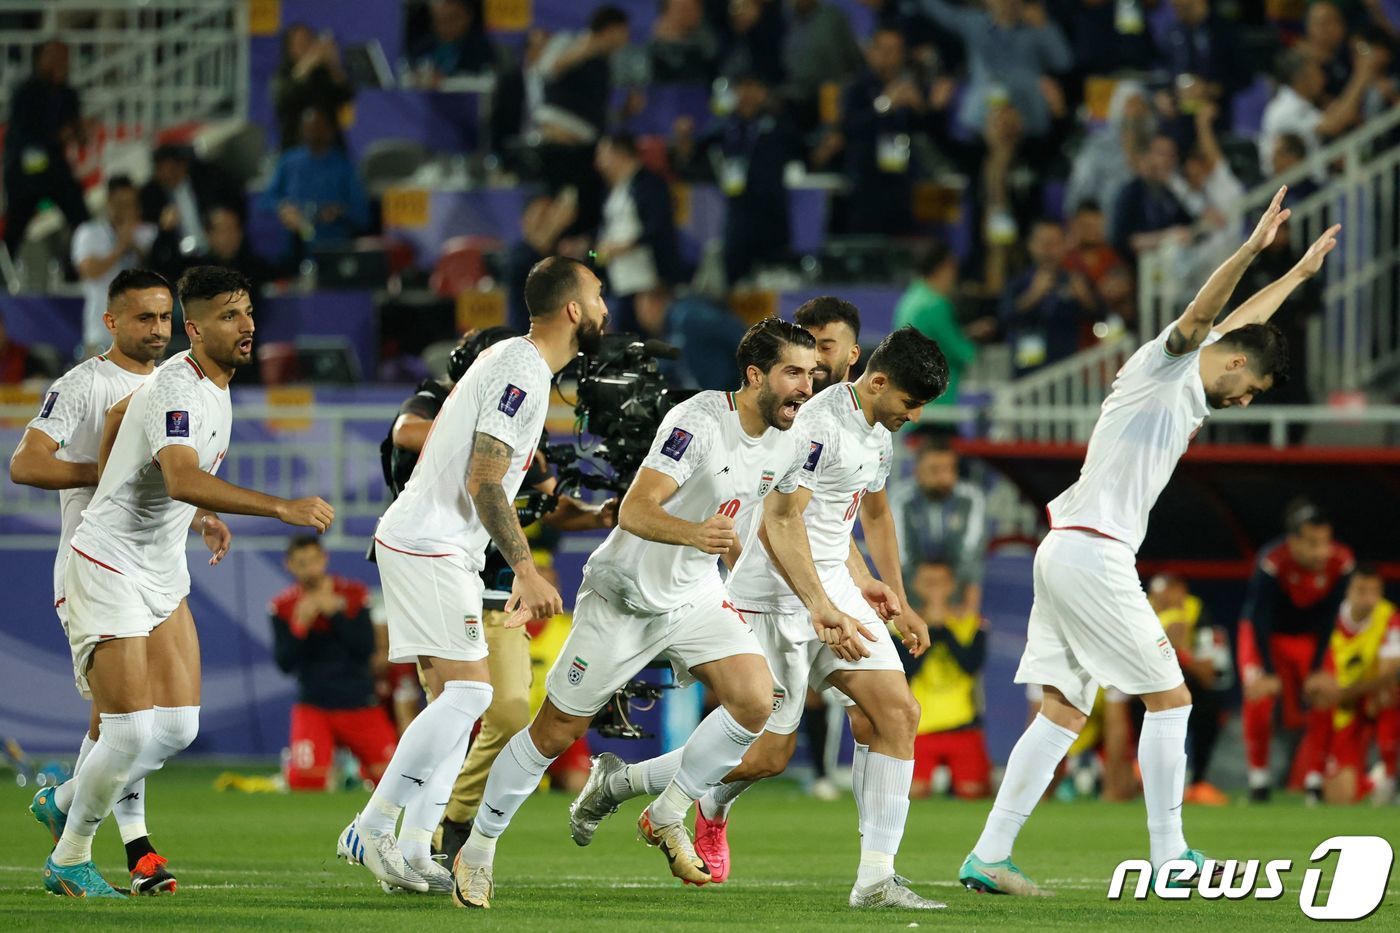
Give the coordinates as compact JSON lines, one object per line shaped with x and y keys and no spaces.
{"x":268,"y":862}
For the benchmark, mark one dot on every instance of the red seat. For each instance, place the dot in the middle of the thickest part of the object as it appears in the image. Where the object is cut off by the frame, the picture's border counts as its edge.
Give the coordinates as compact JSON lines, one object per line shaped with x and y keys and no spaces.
{"x":279,"y":364}
{"x":400,"y":253}
{"x":462,"y":264}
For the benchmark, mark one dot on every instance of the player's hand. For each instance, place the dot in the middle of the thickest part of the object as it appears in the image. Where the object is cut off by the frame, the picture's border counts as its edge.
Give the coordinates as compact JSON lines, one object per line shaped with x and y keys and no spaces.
{"x":1321,"y":690}
{"x":217,"y":537}
{"x":881,"y":598}
{"x":1262,"y":686}
{"x":532,"y":597}
{"x":607,"y":515}
{"x":290,"y":216}
{"x":1311,"y":263}
{"x":1268,"y":225}
{"x":1203,"y":671}
{"x":913,"y":631}
{"x":841,"y":633}
{"x":312,"y":511}
{"x":715,"y":535}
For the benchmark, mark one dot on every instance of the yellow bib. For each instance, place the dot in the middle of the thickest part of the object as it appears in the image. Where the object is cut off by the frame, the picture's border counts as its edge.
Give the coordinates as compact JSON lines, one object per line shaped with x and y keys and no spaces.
{"x":1355,"y":656}
{"x":947,"y":693}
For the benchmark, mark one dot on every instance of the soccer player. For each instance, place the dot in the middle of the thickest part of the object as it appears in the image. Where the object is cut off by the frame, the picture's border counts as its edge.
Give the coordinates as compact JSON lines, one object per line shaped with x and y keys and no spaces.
{"x":1091,"y":623}
{"x":135,"y":651}
{"x":845,"y":431}
{"x":653,"y":590}
{"x":431,"y":547}
{"x":835,"y":324}
{"x":1297,"y":588}
{"x":59,"y":451}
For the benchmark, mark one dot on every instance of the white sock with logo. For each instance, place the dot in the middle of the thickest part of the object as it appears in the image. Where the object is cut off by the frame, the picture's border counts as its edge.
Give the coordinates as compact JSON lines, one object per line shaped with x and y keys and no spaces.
{"x":645,"y":778}
{"x":105,"y":772}
{"x":513,"y":778}
{"x":886,"y":809}
{"x":714,"y":749}
{"x":1162,"y":758}
{"x":423,"y":812}
{"x":1029,"y":771}
{"x":717,"y":801}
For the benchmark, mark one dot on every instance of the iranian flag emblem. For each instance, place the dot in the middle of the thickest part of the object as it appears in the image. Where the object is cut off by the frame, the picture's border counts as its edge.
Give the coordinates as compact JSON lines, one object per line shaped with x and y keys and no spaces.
{"x":766,"y":483}
{"x":577,"y":669}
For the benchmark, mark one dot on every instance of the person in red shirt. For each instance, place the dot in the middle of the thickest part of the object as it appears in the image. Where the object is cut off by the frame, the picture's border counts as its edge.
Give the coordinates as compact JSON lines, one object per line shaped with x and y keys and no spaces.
{"x":324,"y":636}
{"x":16,"y":362}
{"x":1293,"y":598}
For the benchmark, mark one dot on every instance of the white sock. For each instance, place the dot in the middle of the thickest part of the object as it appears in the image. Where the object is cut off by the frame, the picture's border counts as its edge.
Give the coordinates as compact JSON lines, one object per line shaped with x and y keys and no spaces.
{"x":1312,"y":780}
{"x":646,"y":778}
{"x":479,"y":849}
{"x":424,"y":811}
{"x":106,"y":770}
{"x":713,"y":750}
{"x":857,"y":782}
{"x":173,"y":729}
{"x":433,"y":734}
{"x":513,"y":778}
{"x":717,"y":801}
{"x":1162,"y":757}
{"x":63,"y":793}
{"x":886,"y":808}
{"x":1260,"y":777}
{"x":1028,"y":772}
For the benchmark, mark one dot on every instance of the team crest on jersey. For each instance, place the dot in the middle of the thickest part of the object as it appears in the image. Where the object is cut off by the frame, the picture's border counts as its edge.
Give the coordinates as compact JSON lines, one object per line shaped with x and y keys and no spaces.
{"x":577,"y":669}
{"x":1165,"y":646}
{"x":511,"y":399}
{"x":49,"y":401}
{"x":766,"y":483}
{"x":473,"y":627}
{"x":813,"y":455}
{"x":676,"y":444}
{"x":779,"y":695}
{"x":177,"y":424}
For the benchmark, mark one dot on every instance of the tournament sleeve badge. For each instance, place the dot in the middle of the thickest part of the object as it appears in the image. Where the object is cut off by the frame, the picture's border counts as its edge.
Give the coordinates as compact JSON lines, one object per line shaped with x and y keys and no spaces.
{"x":676,"y":444}
{"x":177,"y":424}
{"x":49,"y":401}
{"x":511,"y":400}
{"x":813,"y":455}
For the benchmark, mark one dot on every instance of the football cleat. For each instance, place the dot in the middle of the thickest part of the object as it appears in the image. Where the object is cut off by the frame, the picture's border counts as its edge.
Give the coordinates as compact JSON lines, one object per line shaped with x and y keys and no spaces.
{"x":892,"y":892}
{"x":46,"y":811}
{"x":150,"y":876}
{"x":712,"y":845}
{"x":82,"y":880}
{"x":674,"y":841}
{"x":379,"y":852}
{"x":1217,"y":871}
{"x":350,"y":846}
{"x":997,"y":878}
{"x":1260,"y":794}
{"x":471,"y":884}
{"x":594,"y":804}
{"x":439,"y":879}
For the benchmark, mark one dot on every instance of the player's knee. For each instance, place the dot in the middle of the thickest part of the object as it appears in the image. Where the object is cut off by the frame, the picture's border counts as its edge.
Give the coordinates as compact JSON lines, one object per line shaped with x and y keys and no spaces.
{"x":751,"y":708}
{"x":176,"y":728}
{"x":128,"y":733}
{"x":553,"y":731}
{"x":898,"y":719}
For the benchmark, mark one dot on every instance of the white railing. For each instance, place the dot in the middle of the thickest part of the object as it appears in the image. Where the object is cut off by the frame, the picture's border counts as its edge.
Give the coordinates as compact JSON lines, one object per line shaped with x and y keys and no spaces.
{"x":1061,"y":390}
{"x":141,"y":65}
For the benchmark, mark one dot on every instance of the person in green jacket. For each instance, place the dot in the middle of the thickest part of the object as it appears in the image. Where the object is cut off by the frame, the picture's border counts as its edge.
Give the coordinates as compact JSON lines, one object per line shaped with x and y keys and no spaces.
{"x":925,"y":304}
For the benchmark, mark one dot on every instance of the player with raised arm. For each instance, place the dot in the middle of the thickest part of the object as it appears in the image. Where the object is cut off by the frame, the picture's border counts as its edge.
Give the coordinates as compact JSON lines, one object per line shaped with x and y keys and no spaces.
{"x":846,"y":432}
{"x":59,"y":451}
{"x":1091,"y":623}
{"x":653,"y":590}
{"x":135,"y":651}
{"x":431,"y":547}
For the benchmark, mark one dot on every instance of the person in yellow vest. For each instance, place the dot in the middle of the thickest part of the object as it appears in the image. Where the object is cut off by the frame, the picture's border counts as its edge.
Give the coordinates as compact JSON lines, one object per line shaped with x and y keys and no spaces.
{"x":1192,"y":635}
{"x":947,"y":683}
{"x":1360,"y":684}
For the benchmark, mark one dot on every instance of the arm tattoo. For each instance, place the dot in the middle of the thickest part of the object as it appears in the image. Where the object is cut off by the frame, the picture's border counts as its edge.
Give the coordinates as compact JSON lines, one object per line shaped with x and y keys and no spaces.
{"x":1179,"y":343}
{"x":489,"y":463}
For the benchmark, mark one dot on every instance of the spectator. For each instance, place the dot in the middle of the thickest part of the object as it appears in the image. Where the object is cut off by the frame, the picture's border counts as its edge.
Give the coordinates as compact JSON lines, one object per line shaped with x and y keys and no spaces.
{"x":1012,"y":51}
{"x":322,"y":633}
{"x":104,"y":247}
{"x":1206,"y":187}
{"x":1193,"y":637}
{"x":1089,"y":254}
{"x":309,"y":76}
{"x":1289,"y":151}
{"x":1298,"y":104}
{"x":637,"y":242}
{"x":457,"y":45}
{"x":229,"y":248}
{"x":1105,"y":162}
{"x":683,"y":48}
{"x":944,"y":519}
{"x":1325,"y":42}
{"x":946,"y":680}
{"x":927,"y":306}
{"x":704,"y":332}
{"x":177,"y":199}
{"x":16,"y":362}
{"x":542,"y":227}
{"x":1201,"y":52}
{"x":1106,"y":37}
{"x":754,"y":41}
{"x":44,"y":118}
{"x":1045,"y":308}
{"x":314,"y":189}
{"x":818,"y":47}
{"x":881,"y":111}
{"x":1146,"y":212}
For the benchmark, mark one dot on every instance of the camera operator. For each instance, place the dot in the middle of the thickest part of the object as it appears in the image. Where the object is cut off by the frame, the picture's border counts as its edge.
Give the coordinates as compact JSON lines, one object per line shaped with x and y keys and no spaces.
{"x":509,"y":657}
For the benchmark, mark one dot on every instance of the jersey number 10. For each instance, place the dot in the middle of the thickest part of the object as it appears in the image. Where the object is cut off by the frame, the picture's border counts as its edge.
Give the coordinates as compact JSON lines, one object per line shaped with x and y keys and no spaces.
{"x":729,"y":509}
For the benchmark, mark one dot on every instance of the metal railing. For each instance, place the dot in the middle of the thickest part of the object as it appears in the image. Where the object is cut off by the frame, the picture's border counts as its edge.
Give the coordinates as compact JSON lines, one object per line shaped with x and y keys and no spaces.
{"x":138,"y":66}
{"x":1062,"y":391}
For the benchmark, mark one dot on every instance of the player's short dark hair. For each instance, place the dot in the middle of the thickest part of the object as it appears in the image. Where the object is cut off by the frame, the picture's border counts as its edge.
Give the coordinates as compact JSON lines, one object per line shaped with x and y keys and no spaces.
{"x":171,"y":152}
{"x":552,"y":283}
{"x":937,"y":442}
{"x":118,"y":182}
{"x":624,"y":143}
{"x":912,"y":362}
{"x":1088,"y":206}
{"x":1266,"y":348}
{"x":1291,"y":143}
{"x":763,"y":345}
{"x":136,"y":280}
{"x":297,"y":542}
{"x":937,"y":562}
{"x":607,"y":16}
{"x":828,"y":309}
{"x":1367,"y":569}
{"x":1302,"y":512}
{"x":931,"y":258}
{"x":1289,"y":65}
{"x":200,"y":283}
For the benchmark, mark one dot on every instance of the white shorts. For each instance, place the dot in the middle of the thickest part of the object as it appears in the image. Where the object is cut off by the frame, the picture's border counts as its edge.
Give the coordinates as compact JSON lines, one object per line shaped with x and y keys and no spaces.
{"x":799,"y":659}
{"x":609,"y":645}
{"x":1091,"y":624}
{"x":101,"y":604}
{"x":433,"y":606}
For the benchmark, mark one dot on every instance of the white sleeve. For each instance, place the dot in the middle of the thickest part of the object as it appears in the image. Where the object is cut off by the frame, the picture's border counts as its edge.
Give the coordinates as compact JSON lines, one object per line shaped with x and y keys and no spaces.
{"x":65,"y":405}
{"x":820,"y":438}
{"x":1162,"y":360}
{"x":510,"y":401}
{"x":788,"y":482}
{"x":87,"y":243}
{"x":174,"y":413}
{"x":882,"y":475}
{"x":683,"y":442}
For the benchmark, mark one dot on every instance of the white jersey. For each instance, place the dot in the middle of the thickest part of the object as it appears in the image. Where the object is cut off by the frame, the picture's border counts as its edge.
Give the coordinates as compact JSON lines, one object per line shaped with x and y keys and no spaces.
{"x":720,"y":468}
{"x":72,"y":414}
{"x":132,"y":525}
{"x":1157,"y":405}
{"x":845,"y":457}
{"x":505,"y":394}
